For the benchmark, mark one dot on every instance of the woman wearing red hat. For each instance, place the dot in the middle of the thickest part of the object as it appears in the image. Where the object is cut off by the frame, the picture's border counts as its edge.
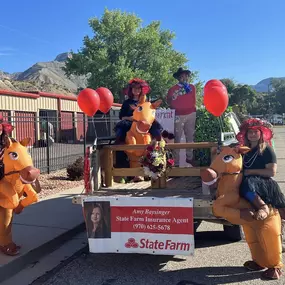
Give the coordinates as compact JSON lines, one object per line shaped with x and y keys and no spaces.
{"x":260,"y":164}
{"x":258,"y":187}
{"x":136,"y":88}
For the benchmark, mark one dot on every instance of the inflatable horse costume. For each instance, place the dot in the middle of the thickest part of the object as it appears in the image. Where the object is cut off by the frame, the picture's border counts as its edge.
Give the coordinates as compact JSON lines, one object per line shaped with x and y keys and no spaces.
{"x":262,"y":236}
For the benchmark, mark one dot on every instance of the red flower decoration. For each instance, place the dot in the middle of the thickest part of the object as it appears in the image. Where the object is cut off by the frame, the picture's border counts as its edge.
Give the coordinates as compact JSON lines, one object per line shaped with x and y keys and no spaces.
{"x":7,"y":128}
{"x":170,"y":162}
{"x":149,"y":148}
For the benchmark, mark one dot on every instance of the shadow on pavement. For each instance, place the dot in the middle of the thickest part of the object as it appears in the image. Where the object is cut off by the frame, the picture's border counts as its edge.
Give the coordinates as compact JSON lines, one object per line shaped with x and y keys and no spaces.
{"x":147,"y":269}
{"x":210,"y":239}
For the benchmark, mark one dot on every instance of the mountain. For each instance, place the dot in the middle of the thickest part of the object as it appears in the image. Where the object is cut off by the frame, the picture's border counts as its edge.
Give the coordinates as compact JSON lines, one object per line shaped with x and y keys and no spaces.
{"x":49,"y":77}
{"x":44,"y":76}
{"x":265,"y":84}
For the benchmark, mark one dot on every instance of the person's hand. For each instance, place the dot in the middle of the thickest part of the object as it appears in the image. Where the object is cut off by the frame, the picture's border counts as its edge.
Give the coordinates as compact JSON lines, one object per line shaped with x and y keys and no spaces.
{"x":247,"y":214}
{"x":18,"y":210}
{"x":246,"y":172}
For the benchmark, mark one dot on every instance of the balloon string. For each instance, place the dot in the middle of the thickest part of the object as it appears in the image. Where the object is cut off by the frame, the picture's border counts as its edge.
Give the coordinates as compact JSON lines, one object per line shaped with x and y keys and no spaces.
{"x":94,"y":127}
{"x":107,"y":128}
{"x":221,"y":123}
{"x":221,"y":129}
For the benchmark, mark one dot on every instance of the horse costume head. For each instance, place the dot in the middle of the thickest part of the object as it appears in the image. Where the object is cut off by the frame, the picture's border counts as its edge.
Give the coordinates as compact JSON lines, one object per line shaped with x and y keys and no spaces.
{"x":144,"y":114}
{"x":227,"y":161}
{"x":17,"y":159}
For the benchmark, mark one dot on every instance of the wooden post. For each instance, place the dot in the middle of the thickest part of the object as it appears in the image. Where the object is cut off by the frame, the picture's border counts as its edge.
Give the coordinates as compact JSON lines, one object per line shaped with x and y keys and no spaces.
{"x":162,"y":181}
{"x":108,"y":157}
{"x":213,"y":153}
{"x":155,"y":183}
{"x":159,"y":183}
{"x":96,"y":171}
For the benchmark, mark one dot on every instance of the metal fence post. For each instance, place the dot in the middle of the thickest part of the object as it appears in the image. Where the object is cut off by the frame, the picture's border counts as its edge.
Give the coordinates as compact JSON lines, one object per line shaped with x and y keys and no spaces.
{"x":84,"y":131}
{"x":47,"y":138}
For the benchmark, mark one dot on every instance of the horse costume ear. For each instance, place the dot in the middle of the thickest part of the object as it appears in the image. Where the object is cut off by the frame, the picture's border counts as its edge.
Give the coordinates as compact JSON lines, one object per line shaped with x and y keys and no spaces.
{"x":156,"y":104}
{"x":242,"y":149}
{"x":7,"y":142}
{"x":142,"y":99}
{"x":25,"y":142}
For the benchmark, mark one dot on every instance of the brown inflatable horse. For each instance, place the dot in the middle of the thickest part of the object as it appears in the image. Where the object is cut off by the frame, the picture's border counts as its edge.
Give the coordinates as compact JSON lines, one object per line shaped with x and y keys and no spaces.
{"x":262,"y":237}
{"x":143,"y":117}
{"x":16,"y":191}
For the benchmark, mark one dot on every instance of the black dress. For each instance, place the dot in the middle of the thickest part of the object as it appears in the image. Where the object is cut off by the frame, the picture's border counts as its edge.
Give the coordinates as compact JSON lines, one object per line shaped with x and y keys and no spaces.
{"x":266,"y":187}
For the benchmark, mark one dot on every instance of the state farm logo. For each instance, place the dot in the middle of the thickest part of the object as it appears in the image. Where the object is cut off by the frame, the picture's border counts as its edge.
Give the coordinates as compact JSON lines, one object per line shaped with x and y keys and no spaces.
{"x":158,"y":244}
{"x":131,"y":243}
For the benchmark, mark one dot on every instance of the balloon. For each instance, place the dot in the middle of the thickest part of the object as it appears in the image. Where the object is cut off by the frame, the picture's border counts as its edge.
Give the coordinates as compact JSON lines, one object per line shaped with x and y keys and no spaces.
{"x":213,"y":83}
{"x":88,"y":101}
{"x":106,"y":99}
{"x":216,"y":100}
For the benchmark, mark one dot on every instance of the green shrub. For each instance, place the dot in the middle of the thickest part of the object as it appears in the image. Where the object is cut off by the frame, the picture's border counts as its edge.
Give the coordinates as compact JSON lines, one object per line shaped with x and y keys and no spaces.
{"x":75,"y":171}
{"x":207,"y":130}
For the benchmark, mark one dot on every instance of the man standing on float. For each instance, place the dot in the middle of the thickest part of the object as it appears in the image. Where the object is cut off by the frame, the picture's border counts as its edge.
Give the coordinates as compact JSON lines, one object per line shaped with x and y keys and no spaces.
{"x":182,"y":98}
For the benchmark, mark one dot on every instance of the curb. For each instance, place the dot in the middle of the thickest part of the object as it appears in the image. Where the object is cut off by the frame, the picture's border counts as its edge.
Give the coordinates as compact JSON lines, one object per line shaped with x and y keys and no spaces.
{"x":15,"y":266}
{"x":55,"y":270}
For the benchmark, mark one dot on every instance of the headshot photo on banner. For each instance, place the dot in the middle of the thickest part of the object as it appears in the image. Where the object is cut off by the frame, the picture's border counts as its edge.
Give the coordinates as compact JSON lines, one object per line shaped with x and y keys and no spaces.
{"x":97,"y":219}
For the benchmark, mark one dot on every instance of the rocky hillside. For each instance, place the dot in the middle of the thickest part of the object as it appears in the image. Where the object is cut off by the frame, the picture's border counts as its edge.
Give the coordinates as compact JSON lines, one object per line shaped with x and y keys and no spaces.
{"x":265,"y":84}
{"x":43,"y":76}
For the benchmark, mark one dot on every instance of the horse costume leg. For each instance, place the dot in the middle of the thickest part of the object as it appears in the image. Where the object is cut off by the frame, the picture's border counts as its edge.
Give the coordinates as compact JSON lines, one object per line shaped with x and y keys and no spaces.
{"x":6,"y":216}
{"x":269,"y":237}
{"x":6,"y":243}
{"x":264,"y":241}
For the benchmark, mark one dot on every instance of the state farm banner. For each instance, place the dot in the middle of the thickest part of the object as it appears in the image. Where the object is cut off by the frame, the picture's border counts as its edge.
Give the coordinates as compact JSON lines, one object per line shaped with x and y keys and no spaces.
{"x":162,"y":226}
{"x":166,"y":118}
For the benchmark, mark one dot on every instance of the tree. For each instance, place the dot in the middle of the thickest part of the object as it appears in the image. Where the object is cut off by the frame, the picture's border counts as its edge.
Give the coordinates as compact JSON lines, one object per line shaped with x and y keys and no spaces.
{"x":278,"y":95}
{"x":122,"y":49}
{"x":230,"y":84}
{"x":242,"y":96}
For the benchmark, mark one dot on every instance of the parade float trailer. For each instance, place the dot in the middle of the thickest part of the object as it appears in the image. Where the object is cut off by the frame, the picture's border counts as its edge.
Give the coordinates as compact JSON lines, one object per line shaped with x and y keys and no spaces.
{"x":151,"y":217}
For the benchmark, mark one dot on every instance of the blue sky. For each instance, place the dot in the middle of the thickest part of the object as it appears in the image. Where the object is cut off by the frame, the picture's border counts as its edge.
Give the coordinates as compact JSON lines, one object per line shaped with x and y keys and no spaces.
{"x":239,"y":39}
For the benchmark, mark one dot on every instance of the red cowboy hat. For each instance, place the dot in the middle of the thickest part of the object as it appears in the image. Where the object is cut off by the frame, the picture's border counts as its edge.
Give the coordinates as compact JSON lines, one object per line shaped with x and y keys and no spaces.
{"x":137,"y":81}
{"x":265,"y":127}
{"x":8,"y":128}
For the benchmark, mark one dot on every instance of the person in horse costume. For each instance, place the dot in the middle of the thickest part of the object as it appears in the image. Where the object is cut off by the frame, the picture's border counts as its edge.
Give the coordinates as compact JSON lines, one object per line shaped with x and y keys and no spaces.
{"x":263,"y":236}
{"x":138,"y":124}
{"x":16,"y":191}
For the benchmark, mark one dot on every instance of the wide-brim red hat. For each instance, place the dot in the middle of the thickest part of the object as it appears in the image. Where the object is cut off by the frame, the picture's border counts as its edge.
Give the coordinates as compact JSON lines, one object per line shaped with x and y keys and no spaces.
{"x":7,"y":127}
{"x":265,"y":127}
{"x":137,"y":81}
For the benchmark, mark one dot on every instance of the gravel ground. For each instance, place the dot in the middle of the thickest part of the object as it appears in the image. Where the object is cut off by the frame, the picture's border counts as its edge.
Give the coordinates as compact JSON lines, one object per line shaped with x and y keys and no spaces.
{"x":56,"y":182}
{"x":215,"y":261}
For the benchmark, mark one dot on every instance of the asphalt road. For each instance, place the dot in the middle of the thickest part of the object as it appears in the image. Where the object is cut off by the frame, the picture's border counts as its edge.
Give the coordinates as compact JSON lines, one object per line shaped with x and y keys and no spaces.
{"x":215,"y":260}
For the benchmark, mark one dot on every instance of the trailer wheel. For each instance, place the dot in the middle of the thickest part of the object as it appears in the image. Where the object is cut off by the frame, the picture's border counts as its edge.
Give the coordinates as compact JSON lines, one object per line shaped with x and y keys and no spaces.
{"x":233,"y":233}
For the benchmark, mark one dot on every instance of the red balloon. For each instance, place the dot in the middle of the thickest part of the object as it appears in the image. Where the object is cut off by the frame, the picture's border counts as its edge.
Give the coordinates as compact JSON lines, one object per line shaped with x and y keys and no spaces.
{"x":88,"y":101}
{"x":106,"y":99}
{"x":212,"y":83}
{"x":216,"y":100}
